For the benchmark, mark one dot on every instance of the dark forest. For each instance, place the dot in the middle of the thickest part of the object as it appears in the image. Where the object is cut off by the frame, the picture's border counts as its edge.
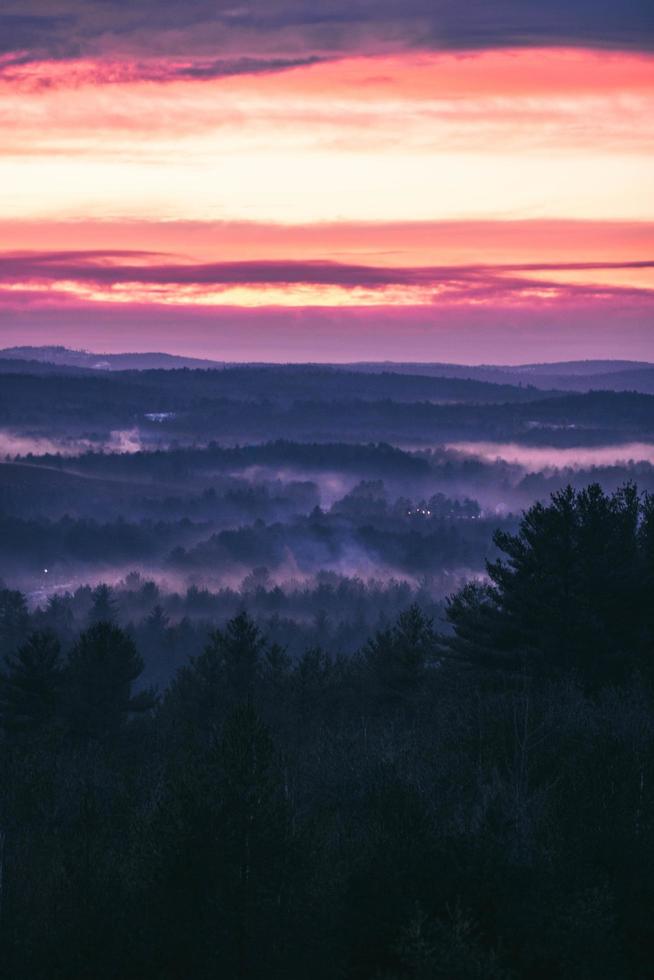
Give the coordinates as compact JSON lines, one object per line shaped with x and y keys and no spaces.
{"x":280,"y":703}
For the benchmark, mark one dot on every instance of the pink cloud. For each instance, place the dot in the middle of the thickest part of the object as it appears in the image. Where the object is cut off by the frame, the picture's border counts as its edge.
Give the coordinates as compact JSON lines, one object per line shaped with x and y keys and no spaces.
{"x":69,"y":271}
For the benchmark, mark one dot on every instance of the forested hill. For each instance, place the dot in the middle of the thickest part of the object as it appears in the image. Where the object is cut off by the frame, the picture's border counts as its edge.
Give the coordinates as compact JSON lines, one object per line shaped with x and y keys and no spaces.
{"x":64,"y":357}
{"x":597,"y":375}
{"x":241,"y":404}
{"x":466,"y":796}
{"x":564,"y":375}
{"x":288,"y":382}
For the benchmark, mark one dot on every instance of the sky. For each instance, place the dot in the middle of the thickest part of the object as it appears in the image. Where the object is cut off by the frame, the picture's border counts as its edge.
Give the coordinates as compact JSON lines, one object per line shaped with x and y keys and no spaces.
{"x":331,"y":181}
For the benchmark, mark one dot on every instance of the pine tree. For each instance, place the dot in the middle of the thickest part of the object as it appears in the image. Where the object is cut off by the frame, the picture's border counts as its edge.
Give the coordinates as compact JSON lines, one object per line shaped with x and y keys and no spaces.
{"x":30,"y":685}
{"x":101,"y":670}
{"x":103,"y":609}
{"x":399,"y":657}
{"x":250,"y":863}
{"x":570,"y":592}
{"x":14,"y":620}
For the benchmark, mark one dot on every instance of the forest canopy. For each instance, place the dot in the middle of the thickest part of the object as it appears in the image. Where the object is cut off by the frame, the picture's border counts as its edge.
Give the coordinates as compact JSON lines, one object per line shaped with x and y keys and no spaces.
{"x":466,"y":795}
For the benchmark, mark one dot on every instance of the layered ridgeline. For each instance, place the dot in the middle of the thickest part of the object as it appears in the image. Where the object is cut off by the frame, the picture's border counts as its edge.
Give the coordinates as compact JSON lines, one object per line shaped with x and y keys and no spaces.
{"x":611,"y":375}
{"x":195,"y":478}
{"x":308,"y":401}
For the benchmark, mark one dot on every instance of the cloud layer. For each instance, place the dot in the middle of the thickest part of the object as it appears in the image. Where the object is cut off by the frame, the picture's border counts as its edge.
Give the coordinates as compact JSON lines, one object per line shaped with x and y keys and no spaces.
{"x":220,"y":38}
{"x":389,"y":178}
{"x":136,"y":277}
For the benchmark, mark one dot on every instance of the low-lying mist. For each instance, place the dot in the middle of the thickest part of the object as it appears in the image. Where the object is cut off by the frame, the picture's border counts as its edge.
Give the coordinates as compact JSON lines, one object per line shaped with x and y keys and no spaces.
{"x":15,"y":444}
{"x":538,"y":458}
{"x":249,"y":487}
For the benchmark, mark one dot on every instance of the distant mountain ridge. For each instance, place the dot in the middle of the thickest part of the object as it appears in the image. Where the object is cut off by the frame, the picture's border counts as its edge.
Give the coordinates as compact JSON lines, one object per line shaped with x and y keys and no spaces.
{"x":65,"y":357}
{"x":579,"y":376}
{"x":600,"y":375}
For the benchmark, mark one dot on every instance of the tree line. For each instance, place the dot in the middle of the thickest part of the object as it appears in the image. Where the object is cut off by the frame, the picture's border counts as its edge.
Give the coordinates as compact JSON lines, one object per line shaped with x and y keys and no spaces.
{"x":467,"y":801}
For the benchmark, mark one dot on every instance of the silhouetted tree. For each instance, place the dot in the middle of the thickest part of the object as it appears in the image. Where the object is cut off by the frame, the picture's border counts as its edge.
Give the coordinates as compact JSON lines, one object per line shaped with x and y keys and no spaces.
{"x":399,"y":656}
{"x":103,"y":609}
{"x":569,"y":594}
{"x":255,"y":830}
{"x":14,"y":620}
{"x":382,"y":816}
{"x":58,"y":616}
{"x":30,"y":685}
{"x":100,"y":671}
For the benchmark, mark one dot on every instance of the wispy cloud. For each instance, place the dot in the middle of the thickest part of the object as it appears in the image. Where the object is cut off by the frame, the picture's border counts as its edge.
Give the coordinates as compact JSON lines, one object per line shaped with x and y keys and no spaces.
{"x":538,"y":133}
{"x":138,"y":277}
{"x":461,"y":159}
{"x":219,"y":37}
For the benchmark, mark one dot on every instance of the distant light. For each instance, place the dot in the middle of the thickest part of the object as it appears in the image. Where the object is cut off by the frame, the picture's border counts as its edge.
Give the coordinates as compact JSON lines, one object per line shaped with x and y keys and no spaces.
{"x":45,"y":570}
{"x":160,"y":416}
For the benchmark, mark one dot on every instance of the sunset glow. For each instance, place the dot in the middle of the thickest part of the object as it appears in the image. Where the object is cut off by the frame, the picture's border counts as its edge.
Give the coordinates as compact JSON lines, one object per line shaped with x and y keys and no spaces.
{"x":498,"y":177}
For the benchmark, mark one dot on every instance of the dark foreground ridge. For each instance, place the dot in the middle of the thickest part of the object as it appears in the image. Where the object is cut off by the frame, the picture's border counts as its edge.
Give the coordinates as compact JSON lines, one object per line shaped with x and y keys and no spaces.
{"x":467,"y":798}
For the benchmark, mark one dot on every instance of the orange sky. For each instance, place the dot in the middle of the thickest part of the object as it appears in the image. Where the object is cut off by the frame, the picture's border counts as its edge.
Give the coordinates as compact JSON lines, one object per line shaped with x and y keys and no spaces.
{"x":417,"y":161}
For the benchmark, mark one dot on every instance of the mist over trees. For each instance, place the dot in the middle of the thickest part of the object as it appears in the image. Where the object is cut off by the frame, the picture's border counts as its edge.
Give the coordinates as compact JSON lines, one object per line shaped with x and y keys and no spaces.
{"x":305,"y":403}
{"x":467,"y":794}
{"x":321,"y":672}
